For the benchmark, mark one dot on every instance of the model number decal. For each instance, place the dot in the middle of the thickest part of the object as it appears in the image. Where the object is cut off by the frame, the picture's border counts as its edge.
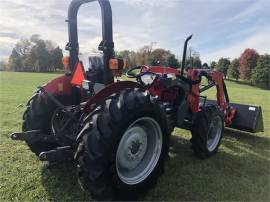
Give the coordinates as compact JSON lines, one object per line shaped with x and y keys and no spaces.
{"x":251,"y":108}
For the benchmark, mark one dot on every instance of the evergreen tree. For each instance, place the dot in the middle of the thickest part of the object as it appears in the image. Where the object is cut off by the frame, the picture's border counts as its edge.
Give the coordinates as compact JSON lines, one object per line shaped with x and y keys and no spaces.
{"x":213,"y":65}
{"x":173,"y":62}
{"x":57,"y":56}
{"x":205,"y":66}
{"x":15,"y":61}
{"x":233,"y":71}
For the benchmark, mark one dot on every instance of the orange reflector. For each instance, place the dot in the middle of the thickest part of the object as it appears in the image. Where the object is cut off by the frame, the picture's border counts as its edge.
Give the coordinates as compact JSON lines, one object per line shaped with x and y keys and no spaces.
{"x":118,"y":63}
{"x":113,"y":63}
{"x":78,"y":75}
{"x":65,"y":61}
{"x":125,"y":63}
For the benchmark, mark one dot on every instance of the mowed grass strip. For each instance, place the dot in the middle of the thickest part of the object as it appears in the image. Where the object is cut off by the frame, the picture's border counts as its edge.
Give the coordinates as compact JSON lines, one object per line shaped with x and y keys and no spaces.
{"x":240,"y":171}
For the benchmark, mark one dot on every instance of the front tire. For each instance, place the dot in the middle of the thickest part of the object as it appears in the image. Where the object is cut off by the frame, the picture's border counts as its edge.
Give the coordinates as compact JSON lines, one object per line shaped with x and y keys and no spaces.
{"x":207,"y":131}
{"x":125,"y":125}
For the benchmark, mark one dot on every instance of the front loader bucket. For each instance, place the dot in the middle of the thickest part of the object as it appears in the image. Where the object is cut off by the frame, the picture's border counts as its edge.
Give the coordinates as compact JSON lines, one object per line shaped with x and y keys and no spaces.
{"x":247,"y":118}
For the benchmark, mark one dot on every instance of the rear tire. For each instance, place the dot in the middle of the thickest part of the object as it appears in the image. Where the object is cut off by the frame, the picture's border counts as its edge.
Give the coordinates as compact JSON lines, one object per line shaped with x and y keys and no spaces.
{"x":207,"y":131}
{"x":101,"y":137}
{"x":37,"y":116}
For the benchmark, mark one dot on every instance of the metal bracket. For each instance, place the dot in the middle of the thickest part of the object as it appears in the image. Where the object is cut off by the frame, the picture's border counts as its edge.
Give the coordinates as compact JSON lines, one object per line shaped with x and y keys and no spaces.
{"x":59,"y":154}
{"x":33,"y":136}
{"x":57,"y":103}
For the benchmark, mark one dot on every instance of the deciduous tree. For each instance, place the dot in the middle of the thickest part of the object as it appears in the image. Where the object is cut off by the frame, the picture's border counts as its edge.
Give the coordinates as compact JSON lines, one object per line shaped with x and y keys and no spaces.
{"x":159,"y":57}
{"x":247,"y":62}
{"x":131,"y":56}
{"x":35,"y":54}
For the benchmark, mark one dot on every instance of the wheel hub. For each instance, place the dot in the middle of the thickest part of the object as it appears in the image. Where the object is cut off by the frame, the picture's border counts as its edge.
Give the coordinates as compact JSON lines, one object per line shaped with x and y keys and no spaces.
{"x":133,"y":147}
{"x":139,"y":150}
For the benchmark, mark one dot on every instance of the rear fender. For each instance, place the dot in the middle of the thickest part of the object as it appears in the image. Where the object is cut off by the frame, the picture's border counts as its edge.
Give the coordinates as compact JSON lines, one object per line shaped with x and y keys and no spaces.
{"x":59,"y":86}
{"x":109,"y":90}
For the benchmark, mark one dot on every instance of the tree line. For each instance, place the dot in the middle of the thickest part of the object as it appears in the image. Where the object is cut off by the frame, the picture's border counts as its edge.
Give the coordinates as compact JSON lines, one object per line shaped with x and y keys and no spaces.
{"x":249,"y":67}
{"x":148,"y":55}
{"x":34,"y":55}
{"x":38,"y":55}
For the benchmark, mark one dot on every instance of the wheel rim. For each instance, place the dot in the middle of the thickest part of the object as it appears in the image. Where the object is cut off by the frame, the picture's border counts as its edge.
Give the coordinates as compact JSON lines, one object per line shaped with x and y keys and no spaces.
{"x":214,"y":133}
{"x":139,"y":150}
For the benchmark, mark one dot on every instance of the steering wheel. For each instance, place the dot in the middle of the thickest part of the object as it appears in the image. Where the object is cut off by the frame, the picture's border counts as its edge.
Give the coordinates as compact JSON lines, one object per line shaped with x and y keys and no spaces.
{"x":131,"y":74}
{"x":140,"y":76}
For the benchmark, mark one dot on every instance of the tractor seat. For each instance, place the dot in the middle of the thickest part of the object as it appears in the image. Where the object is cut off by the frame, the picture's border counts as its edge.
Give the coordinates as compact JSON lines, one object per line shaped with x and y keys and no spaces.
{"x":96,"y":69}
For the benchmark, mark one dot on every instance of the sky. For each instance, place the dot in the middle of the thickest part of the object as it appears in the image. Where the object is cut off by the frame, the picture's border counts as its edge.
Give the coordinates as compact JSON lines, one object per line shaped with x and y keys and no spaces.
{"x":220,"y":28}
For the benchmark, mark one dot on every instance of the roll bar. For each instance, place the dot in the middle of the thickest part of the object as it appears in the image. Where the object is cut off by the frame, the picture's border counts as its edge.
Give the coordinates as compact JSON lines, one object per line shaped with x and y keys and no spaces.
{"x":106,"y":45}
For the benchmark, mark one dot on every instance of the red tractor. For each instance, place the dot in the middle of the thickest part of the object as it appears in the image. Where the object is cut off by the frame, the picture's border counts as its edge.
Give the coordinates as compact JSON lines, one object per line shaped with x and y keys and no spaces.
{"x":118,"y":132}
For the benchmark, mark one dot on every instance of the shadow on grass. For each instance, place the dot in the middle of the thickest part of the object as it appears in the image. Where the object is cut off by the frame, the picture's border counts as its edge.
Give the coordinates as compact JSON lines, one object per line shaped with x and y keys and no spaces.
{"x":239,"y":171}
{"x":60,"y":181}
{"x":248,"y":138}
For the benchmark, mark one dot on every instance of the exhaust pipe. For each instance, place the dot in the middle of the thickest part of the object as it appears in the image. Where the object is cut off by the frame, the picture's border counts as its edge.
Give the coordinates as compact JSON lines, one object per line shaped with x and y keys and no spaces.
{"x":184,"y":55}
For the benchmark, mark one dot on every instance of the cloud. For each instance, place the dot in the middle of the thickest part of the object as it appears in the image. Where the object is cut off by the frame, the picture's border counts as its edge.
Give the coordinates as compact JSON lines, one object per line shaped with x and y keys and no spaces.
{"x":6,"y":44}
{"x":252,"y":11}
{"x":259,"y":41}
{"x":220,"y":28}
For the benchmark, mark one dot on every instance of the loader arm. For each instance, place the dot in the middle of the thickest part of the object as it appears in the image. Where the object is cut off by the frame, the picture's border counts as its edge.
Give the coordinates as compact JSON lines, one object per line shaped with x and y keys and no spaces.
{"x":237,"y":116}
{"x":216,"y":79}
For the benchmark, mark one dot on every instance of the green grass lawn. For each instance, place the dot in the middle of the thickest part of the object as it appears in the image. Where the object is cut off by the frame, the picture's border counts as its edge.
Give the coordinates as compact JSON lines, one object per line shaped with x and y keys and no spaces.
{"x":239,"y":172}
